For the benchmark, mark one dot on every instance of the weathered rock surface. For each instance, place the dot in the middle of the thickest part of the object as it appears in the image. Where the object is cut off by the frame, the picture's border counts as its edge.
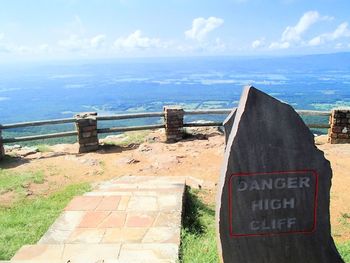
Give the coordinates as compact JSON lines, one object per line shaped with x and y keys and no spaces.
{"x":228,"y":123}
{"x":273,"y":194}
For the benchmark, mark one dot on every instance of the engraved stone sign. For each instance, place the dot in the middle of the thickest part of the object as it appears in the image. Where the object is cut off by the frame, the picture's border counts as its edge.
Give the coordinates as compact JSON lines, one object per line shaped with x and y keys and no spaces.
{"x":273,"y":196}
{"x":268,"y":203}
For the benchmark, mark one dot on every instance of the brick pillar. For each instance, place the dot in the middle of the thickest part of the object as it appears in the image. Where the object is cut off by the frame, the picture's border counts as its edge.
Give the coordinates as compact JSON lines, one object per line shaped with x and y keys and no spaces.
{"x":339,"y":131}
{"x":86,"y":124}
{"x":174,"y":119}
{"x":2,"y":150}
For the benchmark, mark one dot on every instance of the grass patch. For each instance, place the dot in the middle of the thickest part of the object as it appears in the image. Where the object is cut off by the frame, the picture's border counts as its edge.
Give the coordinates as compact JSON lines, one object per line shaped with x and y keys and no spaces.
{"x":344,"y":250}
{"x":38,"y":177}
{"x":129,"y":138}
{"x":43,"y":148}
{"x":11,"y":181}
{"x":345,"y":215}
{"x":198,"y":235}
{"x":25,"y":222}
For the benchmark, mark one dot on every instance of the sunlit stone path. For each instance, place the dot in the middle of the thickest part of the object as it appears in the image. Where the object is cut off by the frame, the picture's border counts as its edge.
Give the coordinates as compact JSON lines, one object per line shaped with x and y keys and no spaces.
{"x":126,"y":220}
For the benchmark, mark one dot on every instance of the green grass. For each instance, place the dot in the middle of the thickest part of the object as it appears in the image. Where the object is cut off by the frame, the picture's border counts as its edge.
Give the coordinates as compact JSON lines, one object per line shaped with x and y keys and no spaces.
{"x":26,"y":221}
{"x":198,"y":236}
{"x":128,"y":138}
{"x":43,"y":148}
{"x":344,"y":250}
{"x":11,"y":181}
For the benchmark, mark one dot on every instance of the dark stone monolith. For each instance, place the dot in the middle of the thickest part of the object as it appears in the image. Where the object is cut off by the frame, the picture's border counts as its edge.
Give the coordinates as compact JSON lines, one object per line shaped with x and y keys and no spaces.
{"x":273,"y":196}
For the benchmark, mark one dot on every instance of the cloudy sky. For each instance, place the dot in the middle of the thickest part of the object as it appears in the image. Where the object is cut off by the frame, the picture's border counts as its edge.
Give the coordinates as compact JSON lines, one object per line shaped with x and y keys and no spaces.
{"x":75,"y":29}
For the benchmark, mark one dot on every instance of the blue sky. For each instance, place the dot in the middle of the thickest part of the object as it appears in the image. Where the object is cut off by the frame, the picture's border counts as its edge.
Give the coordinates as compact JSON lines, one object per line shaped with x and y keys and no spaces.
{"x":76,"y":29}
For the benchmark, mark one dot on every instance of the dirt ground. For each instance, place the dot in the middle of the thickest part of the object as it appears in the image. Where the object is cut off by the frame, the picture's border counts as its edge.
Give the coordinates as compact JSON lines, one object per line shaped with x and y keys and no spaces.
{"x":199,"y":156}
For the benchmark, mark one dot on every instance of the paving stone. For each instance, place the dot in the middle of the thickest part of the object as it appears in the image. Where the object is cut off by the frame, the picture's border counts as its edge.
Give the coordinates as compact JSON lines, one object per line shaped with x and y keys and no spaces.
{"x":146,"y":253}
{"x":151,"y":186}
{"x":145,"y":193}
{"x":113,"y":220}
{"x":120,"y":186}
{"x":109,"y":193}
{"x":55,"y":236}
{"x":86,"y":235}
{"x":39,"y":252}
{"x":68,"y":220}
{"x":170,"y":202}
{"x":162,"y":235}
{"x":61,"y":229}
{"x":143,"y":203}
{"x":84,"y":203}
{"x":124,"y":235}
{"x":109,"y":203}
{"x":123,"y":204}
{"x":86,"y":253}
{"x":93,"y":219}
{"x":168,"y":219}
{"x":142,"y":214}
{"x":140,"y":219}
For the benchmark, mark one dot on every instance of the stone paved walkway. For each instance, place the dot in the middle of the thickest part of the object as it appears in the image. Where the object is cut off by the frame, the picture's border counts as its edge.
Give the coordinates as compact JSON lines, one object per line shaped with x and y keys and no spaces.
{"x":127,"y":220}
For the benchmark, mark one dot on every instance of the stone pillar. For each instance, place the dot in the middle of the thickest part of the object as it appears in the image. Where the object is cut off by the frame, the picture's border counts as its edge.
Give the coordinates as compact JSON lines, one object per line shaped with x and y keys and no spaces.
{"x":2,"y":150}
{"x":174,"y":119}
{"x":86,"y":124}
{"x":339,"y":131}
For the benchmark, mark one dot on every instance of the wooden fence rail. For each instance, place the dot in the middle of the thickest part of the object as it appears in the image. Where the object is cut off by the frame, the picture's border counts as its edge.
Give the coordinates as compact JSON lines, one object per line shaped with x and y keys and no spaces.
{"x":165,"y":124}
{"x":130,"y":116}
{"x":36,"y":123}
{"x":40,"y":137}
{"x":132,"y":128}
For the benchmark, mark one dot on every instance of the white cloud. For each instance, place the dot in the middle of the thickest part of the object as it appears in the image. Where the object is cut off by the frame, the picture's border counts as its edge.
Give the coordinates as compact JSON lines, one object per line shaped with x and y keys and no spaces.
{"x":341,"y":31}
{"x":72,"y":43}
{"x":201,"y":27}
{"x":19,"y":49}
{"x":77,"y":43}
{"x":219,"y":45}
{"x":97,"y":41}
{"x":5,"y":47}
{"x":339,"y":45}
{"x":279,"y":45}
{"x":23,"y":49}
{"x":258,"y":43}
{"x":316,"y":41}
{"x":293,"y":33}
{"x":137,"y":41}
{"x":44,"y":47}
{"x":75,"y":39}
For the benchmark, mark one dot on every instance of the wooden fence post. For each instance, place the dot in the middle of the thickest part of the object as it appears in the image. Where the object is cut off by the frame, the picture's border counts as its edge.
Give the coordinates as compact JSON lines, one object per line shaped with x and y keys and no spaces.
{"x":2,"y":150}
{"x":86,"y":124}
{"x":173,"y":119}
{"x":339,"y":131}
